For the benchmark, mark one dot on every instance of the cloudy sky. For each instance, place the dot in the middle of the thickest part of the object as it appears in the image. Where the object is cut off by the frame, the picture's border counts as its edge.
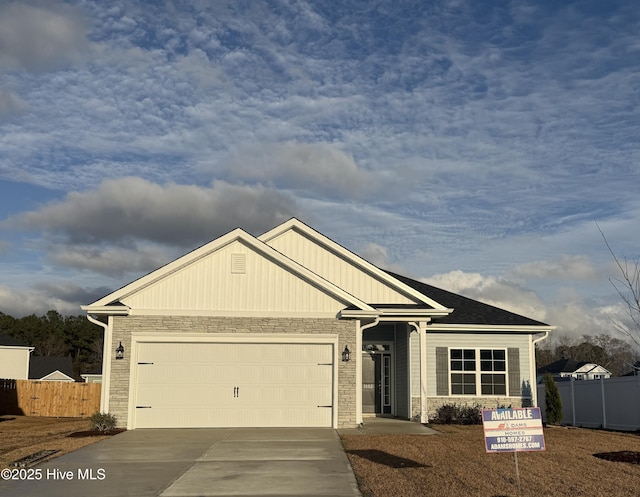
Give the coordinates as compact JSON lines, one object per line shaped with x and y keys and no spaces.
{"x":470,"y":144}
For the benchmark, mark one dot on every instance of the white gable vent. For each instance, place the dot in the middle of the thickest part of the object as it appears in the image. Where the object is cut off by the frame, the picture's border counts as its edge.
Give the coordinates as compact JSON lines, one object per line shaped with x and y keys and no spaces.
{"x":238,"y":263}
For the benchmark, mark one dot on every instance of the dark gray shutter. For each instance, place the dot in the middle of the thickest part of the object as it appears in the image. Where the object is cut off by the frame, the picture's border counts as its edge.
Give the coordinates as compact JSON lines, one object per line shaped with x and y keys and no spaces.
{"x":442,"y":371}
{"x":513,"y":355}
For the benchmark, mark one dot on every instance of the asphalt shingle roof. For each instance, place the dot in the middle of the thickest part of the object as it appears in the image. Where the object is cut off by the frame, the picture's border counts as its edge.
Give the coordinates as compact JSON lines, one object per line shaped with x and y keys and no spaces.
{"x":466,"y":310}
{"x":41,"y":366}
{"x":562,"y":366}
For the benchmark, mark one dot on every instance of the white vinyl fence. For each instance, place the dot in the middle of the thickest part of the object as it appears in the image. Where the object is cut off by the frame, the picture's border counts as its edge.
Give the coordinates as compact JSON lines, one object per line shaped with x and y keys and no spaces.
{"x":612,"y":403}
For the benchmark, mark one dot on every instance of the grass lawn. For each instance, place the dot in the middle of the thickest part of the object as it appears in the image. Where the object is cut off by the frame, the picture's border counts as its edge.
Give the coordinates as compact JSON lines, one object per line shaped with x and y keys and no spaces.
{"x":21,"y":436}
{"x":455,"y":464}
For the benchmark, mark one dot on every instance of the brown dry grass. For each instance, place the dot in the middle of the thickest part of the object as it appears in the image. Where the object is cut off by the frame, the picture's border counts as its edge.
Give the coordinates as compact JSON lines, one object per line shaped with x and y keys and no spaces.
{"x":455,"y":464}
{"x":21,"y":436}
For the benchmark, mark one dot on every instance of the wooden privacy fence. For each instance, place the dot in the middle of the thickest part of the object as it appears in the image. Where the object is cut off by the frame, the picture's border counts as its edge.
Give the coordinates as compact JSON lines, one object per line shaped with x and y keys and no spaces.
{"x":49,"y":398}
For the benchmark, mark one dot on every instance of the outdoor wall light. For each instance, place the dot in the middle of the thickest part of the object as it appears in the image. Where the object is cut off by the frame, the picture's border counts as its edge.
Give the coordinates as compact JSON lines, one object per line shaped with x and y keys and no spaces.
{"x":346,"y":354}
{"x":120,"y":352}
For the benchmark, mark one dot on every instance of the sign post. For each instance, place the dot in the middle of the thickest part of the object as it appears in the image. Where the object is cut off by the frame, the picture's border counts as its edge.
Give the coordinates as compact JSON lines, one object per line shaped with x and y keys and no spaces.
{"x":513,"y":430}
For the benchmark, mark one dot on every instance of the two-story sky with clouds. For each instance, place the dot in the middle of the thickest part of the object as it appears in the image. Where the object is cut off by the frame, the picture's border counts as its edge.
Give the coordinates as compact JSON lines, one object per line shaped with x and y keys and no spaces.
{"x":469,"y":144}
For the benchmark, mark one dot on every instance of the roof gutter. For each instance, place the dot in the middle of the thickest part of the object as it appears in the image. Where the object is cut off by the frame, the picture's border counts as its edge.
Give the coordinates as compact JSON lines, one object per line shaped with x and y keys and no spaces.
{"x":393,"y":314}
{"x":109,"y":310}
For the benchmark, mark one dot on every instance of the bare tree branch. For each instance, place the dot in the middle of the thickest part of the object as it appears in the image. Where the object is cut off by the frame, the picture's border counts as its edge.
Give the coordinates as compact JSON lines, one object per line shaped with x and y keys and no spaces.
{"x":627,"y":285}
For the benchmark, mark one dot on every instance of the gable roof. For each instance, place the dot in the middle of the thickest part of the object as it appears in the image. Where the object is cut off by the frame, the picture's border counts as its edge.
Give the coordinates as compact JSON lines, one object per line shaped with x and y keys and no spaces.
{"x":466,"y":310}
{"x":41,"y":366}
{"x":571,"y":366}
{"x":111,"y":303}
{"x":349,"y":262}
{"x":331,"y":270}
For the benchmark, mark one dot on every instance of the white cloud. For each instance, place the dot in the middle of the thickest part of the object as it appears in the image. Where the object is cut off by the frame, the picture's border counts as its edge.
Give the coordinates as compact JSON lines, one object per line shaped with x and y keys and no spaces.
{"x":38,"y":36}
{"x":577,"y":267}
{"x":375,"y":254}
{"x":110,"y":261}
{"x":493,"y":291}
{"x":132,"y":208}
{"x":18,"y":303}
{"x":10,"y":103}
{"x":568,"y":310}
{"x":311,"y":168}
{"x":63,"y":296}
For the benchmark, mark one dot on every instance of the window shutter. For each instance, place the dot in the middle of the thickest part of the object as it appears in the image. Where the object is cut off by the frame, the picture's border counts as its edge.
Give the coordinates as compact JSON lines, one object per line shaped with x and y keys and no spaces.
{"x":514,"y":372}
{"x":442,"y":371}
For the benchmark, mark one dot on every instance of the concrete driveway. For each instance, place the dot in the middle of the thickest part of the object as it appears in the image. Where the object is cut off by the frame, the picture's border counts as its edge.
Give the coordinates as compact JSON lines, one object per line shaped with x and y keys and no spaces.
{"x":199,"y":462}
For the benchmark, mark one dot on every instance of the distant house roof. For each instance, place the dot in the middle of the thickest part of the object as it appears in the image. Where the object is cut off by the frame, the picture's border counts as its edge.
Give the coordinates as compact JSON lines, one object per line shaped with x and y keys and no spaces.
{"x":41,"y":366}
{"x":466,"y":310}
{"x":8,"y":341}
{"x":568,"y":366}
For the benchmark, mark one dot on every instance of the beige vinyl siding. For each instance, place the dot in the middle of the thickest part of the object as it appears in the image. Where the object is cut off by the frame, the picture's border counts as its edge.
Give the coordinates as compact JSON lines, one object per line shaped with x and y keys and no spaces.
{"x":336,"y":269}
{"x":14,"y":363}
{"x":57,"y":376}
{"x":223,"y":281}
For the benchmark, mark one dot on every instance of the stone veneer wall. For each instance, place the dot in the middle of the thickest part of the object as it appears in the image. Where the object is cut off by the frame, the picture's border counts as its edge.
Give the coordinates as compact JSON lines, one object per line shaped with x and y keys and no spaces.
{"x":123,"y":326}
{"x":433,"y":403}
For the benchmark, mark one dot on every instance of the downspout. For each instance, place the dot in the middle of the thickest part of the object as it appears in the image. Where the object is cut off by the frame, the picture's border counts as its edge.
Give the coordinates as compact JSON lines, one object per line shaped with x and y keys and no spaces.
{"x":358,"y":355}
{"x":534,"y":371}
{"x":106,"y":363}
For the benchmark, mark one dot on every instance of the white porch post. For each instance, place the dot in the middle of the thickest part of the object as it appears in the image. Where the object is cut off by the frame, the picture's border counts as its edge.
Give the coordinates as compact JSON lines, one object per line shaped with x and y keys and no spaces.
{"x":422,"y":332}
{"x":358,"y":355}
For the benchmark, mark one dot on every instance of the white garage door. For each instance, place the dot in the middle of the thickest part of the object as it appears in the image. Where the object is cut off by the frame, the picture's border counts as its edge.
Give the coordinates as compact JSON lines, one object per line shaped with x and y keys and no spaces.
{"x":193,"y":385}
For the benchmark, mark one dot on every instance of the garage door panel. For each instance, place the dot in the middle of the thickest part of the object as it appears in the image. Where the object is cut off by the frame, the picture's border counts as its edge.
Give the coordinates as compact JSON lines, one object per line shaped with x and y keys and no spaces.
{"x":231,"y":385}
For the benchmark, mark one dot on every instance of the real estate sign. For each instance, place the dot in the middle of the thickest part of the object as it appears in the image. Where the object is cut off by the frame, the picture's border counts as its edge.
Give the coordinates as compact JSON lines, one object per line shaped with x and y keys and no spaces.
{"x":513,"y":430}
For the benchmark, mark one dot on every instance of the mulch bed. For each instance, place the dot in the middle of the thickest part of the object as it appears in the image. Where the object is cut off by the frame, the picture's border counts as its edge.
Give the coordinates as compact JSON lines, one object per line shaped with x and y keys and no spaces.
{"x":620,"y":456}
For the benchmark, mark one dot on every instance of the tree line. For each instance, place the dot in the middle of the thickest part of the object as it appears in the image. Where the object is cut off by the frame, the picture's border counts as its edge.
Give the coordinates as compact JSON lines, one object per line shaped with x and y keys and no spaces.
{"x":614,"y":354}
{"x":54,"y":335}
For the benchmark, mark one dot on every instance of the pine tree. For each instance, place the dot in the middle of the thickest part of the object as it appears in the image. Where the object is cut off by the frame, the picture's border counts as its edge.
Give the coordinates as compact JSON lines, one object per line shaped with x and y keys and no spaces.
{"x":553,"y":401}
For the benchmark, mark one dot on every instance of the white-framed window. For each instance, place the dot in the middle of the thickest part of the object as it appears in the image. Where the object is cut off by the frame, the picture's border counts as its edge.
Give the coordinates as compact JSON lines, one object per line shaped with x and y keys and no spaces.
{"x":478,"y":371}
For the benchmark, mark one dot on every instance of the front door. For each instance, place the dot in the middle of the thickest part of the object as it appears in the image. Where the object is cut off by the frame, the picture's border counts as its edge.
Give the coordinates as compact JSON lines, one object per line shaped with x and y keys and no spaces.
{"x":376,"y":380}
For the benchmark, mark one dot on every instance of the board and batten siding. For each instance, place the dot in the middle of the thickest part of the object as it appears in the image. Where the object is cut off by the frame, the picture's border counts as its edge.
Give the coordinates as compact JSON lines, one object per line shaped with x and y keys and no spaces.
{"x":517,"y":349}
{"x":234,"y":278}
{"x":336,"y":269}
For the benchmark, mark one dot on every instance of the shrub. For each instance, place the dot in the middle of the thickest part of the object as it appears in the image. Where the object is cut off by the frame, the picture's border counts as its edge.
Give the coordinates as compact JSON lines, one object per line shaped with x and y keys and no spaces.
{"x":553,"y":401}
{"x":102,"y":422}
{"x":460,"y":415}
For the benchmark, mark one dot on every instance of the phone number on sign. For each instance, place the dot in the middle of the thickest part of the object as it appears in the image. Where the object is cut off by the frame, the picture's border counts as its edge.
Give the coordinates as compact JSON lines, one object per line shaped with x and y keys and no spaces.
{"x":36,"y":474}
{"x":519,"y":439}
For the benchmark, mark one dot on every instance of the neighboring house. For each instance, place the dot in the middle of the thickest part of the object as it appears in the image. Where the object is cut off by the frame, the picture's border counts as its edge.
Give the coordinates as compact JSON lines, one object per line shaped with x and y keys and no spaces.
{"x":92,"y":376}
{"x":51,"y":369}
{"x":565,"y":369}
{"x":14,"y":358}
{"x":292,"y":329}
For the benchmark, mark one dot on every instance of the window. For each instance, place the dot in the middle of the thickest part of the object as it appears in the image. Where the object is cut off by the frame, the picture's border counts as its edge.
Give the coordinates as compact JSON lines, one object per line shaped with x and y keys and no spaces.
{"x":483,"y":370}
{"x":463,"y":371}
